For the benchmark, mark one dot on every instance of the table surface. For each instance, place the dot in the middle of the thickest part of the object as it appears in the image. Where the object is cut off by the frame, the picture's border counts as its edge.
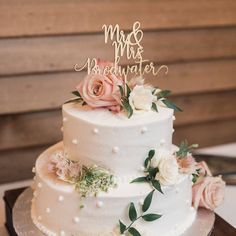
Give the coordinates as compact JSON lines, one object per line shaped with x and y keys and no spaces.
{"x":226,"y":210}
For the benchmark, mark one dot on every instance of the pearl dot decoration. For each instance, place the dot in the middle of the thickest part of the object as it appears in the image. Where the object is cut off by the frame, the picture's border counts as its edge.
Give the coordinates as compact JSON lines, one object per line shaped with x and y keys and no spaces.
{"x":33,"y":170}
{"x":62,"y":129}
{"x":142,"y":168}
{"x":62,"y":233}
{"x":48,"y":210}
{"x":99,"y":204}
{"x":76,"y":219}
{"x":64,"y":119}
{"x":95,"y":131}
{"x":192,"y":208}
{"x":141,"y":201}
{"x":60,"y":198}
{"x":115,"y":150}
{"x":162,"y":142}
{"x":173,"y":118}
{"x":173,"y":130}
{"x":39,"y":218}
{"x":144,"y":130}
{"x":40,"y":185}
{"x":75,"y":141}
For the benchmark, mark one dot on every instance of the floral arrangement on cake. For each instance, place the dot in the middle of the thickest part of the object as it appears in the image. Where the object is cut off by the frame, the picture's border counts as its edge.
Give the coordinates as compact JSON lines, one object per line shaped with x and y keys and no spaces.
{"x":163,"y":168}
{"x":106,"y":89}
{"x":87,"y":180}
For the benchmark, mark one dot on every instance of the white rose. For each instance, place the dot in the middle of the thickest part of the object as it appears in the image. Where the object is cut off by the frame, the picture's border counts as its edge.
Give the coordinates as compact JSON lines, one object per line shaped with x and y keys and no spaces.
{"x":141,"y":98}
{"x":168,"y":171}
{"x":159,"y":155}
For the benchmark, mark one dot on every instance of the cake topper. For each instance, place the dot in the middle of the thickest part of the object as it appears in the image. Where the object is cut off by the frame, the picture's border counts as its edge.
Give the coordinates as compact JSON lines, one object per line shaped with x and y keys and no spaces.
{"x":125,"y":45}
{"x":117,"y":88}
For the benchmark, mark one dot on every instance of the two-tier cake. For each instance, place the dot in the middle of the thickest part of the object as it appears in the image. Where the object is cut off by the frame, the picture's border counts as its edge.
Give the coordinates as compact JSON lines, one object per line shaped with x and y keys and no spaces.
{"x":116,"y":172}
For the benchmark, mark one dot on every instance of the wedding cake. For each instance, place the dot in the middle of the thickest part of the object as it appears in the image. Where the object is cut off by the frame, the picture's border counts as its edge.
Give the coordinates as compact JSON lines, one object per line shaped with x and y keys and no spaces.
{"x":116,"y":172}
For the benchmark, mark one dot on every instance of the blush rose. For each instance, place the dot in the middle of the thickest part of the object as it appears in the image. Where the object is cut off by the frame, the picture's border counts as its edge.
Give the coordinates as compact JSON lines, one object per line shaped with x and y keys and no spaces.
{"x":100,"y":90}
{"x":209,"y":193}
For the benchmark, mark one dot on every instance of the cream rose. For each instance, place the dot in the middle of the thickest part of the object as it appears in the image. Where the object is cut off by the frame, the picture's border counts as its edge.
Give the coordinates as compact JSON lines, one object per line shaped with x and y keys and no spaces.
{"x":209,"y":193}
{"x":160,"y":154}
{"x":168,"y":171}
{"x":100,"y":91}
{"x":141,"y":98}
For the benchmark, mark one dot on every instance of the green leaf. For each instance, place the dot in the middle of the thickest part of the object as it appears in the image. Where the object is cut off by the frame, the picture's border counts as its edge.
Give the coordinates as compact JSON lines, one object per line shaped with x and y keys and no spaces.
{"x":139,"y":180}
{"x":128,"y":90}
{"x":171,"y":105}
{"x":122,"y":227}
{"x":74,"y":100}
{"x":154,"y":107}
{"x":121,"y":90}
{"x":76,"y":93}
{"x":163,"y":94}
{"x":132,"y":212}
{"x":153,"y":171}
{"x":151,"y":217}
{"x":151,"y":154}
{"x":149,"y":158}
{"x":147,"y":201}
{"x":134,"y":232}
{"x":128,"y":108}
{"x":156,"y":184}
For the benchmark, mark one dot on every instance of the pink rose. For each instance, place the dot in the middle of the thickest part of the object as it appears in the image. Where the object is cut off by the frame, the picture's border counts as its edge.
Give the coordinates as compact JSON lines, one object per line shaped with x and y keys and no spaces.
{"x":100,"y":90}
{"x":187,"y":164}
{"x":209,"y":193}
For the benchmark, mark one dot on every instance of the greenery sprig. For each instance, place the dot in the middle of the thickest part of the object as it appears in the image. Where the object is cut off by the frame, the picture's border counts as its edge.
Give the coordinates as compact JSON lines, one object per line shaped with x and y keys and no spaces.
{"x":125,"y":99}
{"x":151,"y":173}
{"x":185,"y":148}
{"x":162,"y":96}
{"x":133,"y":216}
{"x":93,"y":180}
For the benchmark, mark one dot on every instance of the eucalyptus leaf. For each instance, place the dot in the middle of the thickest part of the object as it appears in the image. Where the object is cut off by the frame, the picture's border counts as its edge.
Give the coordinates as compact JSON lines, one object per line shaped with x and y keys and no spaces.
{"x":151,"y":217}
{"x":132,"y":212}
{"x":122,"y":227}
{"x":154,"y":107}
{"x":139,"y":180}
{"x":134,"y":232}
{"x":156,"y":184}
{"x":171,"y":105}
{"x":76,"y":93}
{"x":147,"y":201}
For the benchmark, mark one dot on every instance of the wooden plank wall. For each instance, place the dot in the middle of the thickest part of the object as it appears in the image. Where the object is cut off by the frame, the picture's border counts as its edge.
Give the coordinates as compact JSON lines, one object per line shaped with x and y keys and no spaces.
{"x":40,"y":41}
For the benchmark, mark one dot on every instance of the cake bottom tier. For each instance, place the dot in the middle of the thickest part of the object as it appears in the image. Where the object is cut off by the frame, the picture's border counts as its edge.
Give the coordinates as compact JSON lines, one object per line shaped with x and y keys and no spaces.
{"x":58,"y":210}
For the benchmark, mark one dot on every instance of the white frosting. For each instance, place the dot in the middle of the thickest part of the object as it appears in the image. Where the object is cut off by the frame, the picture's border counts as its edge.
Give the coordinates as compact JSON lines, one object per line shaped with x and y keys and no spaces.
{"x":102,"y":135}
{"x":101,"y":214}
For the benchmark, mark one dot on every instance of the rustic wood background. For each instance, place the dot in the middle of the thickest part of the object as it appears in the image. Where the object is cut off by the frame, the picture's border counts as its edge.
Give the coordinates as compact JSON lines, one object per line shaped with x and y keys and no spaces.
{"x":40,"y":41}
